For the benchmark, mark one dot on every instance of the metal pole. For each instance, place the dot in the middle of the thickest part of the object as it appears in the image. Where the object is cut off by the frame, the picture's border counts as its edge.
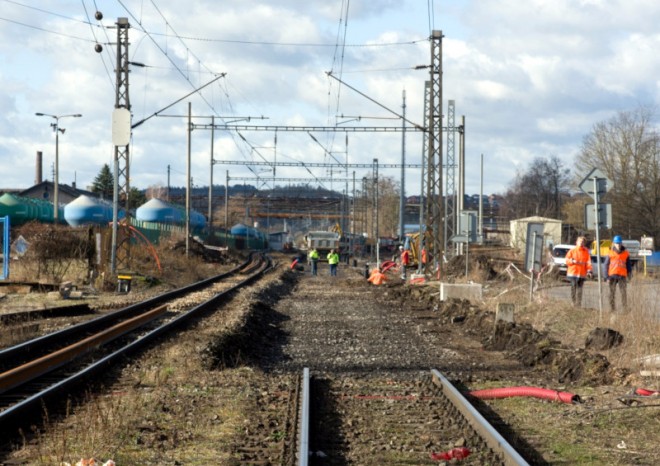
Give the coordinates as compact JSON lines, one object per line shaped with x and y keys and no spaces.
{"x":423,"y":180}
{"x":480,"y":227}
{"x":402,"y":197}
{"x":121,"y":247}
{"x":188,"y":179}
{"x":56,"y":184}
{"x":347,"y":207}
{"x":227,"y":209}
{"x":467,"y":247}
{"x":168,"y":183}
{"x":211,"y":176}
{"x":531,"y":283}
{"x":597,"y":217}
{"x":375,"y":193}
{"x":56,"y":190}
{"x":115,"y":215}
{"x":351,"y":239}
{"x":461,"y":176}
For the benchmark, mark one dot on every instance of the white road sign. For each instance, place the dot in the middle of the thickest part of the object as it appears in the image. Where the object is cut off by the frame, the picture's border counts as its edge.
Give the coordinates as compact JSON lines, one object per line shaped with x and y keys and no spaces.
{"x":603,"y":184}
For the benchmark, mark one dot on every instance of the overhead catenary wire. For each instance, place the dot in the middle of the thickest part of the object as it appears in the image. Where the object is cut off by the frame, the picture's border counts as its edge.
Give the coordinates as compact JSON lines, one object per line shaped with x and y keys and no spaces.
{"x":138,"y":15}
{"x":91,"y":29}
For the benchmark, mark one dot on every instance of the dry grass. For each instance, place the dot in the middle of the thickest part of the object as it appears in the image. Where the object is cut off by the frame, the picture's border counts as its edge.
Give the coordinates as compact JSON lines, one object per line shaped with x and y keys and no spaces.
{"x":57,"y":253}
{"x":601,"y":431}
{"x":165,"y":408}
{"x":639,"y":324}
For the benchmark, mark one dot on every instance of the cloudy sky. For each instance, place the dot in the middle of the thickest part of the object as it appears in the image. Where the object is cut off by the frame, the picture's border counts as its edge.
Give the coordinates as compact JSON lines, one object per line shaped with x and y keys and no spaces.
{"x":531,"y":78}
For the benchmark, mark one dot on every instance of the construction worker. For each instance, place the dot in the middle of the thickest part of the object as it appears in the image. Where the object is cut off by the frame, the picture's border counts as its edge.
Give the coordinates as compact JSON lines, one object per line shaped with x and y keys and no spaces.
{"x":578,"y":263}
{"x":377,"y":277}
{"x":617,"y":270}
{"x":405,"y":261}
{"x":333,"y":260}
{"x":313,"y":260}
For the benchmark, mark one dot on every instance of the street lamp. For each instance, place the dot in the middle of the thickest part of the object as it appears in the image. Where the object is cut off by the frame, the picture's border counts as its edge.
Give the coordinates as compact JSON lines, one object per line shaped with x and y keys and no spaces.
{"x":58,"y":130}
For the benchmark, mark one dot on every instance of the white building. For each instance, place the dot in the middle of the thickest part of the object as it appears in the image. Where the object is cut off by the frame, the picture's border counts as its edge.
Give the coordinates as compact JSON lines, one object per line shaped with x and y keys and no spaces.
{"x":551,"y":231}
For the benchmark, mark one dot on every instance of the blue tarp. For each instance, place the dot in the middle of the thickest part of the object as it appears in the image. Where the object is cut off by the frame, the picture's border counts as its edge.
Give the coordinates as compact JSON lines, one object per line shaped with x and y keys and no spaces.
{"x":653,"y":260}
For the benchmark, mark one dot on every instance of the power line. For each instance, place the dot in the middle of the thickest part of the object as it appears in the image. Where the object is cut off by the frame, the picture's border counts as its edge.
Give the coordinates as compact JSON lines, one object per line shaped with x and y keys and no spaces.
{"x":47,"y":12}
{"x":50,"y":31}
{"x":91,"y":27}
{"x":294,"y":44}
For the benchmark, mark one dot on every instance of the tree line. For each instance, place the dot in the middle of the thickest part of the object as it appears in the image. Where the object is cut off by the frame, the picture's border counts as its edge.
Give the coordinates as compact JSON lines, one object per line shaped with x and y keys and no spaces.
{"x":625,"y":148}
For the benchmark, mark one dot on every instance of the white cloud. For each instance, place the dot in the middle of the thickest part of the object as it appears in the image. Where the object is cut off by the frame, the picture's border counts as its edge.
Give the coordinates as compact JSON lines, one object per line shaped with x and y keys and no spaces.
{"x":530,"y":77}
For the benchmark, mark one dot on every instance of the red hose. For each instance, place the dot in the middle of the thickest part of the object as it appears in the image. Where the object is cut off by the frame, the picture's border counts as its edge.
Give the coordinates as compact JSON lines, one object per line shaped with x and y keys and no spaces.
{"x":387,"y":265}
{"x":645,"y":392}
{"x":543,"y":393}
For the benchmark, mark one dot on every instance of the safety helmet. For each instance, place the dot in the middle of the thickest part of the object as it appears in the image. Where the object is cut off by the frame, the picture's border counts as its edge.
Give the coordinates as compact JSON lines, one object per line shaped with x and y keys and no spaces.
{"x":617,"y":239}
{"x":401,"y":248}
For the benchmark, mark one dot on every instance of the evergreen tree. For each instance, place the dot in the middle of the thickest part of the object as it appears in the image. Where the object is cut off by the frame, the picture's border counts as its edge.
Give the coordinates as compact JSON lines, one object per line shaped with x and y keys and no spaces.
{"x":104,"y":183}
{"x":136,"y":198}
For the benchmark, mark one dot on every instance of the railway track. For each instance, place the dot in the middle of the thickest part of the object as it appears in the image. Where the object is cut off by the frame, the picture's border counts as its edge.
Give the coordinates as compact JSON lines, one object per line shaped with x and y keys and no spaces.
{"x":35,"y":374}
{"x":335,"y":419}
{"x":380,"y":420}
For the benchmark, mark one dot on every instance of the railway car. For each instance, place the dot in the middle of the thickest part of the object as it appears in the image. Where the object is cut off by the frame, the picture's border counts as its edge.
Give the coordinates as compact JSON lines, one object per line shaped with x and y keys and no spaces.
{"x":159,"y":211}
{"x":22,"y":209}
{"x":86,"y":210}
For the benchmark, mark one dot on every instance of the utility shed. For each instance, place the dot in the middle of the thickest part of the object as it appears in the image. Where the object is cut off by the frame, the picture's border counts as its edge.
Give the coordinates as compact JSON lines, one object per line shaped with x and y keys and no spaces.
{"x":551,"y":231}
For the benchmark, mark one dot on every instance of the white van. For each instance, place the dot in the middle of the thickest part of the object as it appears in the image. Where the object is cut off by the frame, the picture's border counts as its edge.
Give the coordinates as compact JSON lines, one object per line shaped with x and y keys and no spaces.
{"x":559,"y":252}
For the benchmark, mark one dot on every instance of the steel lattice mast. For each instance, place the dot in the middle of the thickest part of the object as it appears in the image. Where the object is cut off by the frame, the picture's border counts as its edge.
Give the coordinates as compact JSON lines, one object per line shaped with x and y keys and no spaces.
{"x":121,"y":243}
{"x":451,"y":213}
{"x":435,"y":210}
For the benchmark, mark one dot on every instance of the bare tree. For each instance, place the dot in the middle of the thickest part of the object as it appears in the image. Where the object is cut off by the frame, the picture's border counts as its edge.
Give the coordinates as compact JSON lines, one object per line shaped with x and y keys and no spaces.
{"x":625,"y":148}
{"x":387,"y":191}
{"x":540,"y":190}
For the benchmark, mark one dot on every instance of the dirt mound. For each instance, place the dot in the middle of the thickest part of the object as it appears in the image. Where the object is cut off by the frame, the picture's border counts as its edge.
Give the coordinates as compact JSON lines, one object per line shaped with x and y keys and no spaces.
{"x":521,"y":341}
{"x":603,"y":339}
{"x":209,"y":254}
{"x":478,"y":264}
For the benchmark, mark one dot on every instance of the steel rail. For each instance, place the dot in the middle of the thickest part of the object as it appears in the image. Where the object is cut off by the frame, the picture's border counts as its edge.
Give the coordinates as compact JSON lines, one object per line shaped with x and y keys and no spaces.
{"x":13,"y":354}
{"x":32,"y":405}
{"x":492,"y":437}
{"x":303,"y":422}
{"x":45,"y":364}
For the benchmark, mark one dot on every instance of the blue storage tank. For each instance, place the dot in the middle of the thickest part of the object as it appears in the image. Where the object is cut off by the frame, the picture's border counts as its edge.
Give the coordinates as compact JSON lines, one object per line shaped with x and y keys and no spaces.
{"x":241,"y":230}
{"x":197,"y":220}
{"x":248,"y":237}
{"x":156,"y":210}
{"x":159,"y":211}
{"x":86,"y":210}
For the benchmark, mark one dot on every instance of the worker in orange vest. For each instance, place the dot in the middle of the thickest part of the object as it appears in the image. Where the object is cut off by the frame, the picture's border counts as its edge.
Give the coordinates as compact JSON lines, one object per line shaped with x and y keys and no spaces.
{"x":578,"y":268}
{"x":377,"y":277}
{"x":617,"y":270}
{"x":405,"y":261}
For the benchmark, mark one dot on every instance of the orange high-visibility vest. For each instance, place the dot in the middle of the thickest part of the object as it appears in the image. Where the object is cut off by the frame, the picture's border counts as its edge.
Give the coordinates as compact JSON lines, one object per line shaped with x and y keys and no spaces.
{"x":377,"y":278}
{"x":578,"y":262}
{"x":618,"y":263}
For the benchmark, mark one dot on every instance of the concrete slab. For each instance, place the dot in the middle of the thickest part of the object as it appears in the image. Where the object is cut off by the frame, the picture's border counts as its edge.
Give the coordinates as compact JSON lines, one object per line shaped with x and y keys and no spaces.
{"x":505,"y":312}
{"x":469,"y":291}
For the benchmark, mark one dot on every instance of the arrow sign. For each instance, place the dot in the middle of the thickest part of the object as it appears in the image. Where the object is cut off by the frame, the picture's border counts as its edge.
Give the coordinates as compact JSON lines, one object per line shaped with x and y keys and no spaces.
{"x":603,"y":184}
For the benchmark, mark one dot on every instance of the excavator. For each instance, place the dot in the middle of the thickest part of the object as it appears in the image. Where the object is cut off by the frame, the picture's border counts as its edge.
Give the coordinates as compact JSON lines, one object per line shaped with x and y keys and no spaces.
{"x":417,"y":252}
